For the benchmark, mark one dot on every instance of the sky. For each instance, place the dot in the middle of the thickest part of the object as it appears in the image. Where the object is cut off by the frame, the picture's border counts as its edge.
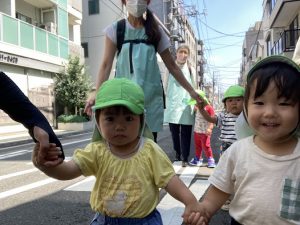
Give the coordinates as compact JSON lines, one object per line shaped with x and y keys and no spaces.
{"x":221,"y":25}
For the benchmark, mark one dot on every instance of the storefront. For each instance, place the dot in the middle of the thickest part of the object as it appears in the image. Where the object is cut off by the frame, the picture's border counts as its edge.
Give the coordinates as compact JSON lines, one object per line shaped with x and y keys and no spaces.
{"x":35,"y":79}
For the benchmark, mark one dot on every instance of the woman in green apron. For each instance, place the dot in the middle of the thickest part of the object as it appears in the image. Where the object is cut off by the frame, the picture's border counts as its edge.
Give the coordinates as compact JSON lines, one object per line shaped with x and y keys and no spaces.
{"x":137,"y":60}
{"x":178,"y":113}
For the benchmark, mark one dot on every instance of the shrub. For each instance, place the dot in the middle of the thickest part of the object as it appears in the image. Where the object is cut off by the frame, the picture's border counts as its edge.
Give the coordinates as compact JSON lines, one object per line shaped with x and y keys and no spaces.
{"x":71,"y":119}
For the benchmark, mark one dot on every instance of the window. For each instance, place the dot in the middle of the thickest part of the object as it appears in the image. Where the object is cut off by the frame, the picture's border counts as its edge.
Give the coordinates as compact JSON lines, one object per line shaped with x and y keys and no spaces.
{"x":269,"y":46}
{"x":93,"y":7}
{"x":85,"y":47}
{"x":23,"y":18}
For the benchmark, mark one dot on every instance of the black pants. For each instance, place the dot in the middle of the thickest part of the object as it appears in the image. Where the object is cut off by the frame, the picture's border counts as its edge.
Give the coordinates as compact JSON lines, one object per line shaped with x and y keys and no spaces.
{"x":155,"y":136}
{"x":181,"y":136}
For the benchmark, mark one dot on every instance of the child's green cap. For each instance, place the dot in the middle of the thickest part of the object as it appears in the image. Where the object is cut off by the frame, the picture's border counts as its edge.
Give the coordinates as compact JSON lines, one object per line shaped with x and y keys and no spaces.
{"x":202,"y":95}
{"x":120,"y":91}
{"x":272,"y":59}
{"x":234,"y":91}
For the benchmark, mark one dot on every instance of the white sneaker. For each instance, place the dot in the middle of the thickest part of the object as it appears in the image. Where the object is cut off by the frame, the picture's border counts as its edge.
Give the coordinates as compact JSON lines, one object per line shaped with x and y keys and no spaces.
{"x":196,"y":162}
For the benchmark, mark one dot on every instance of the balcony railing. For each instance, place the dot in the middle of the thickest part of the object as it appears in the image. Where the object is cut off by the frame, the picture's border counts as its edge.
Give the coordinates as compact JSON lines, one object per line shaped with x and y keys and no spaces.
{"x":286,"y":42}
{"x":25,"y":35}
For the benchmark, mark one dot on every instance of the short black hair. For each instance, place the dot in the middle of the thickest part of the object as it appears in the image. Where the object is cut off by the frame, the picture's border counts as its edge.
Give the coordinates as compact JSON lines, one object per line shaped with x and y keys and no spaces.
{"x":286,"y":78}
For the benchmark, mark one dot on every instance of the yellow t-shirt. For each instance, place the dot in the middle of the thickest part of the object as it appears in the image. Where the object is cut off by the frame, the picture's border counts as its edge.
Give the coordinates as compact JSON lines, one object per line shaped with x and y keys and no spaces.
{"x":125,"y":187}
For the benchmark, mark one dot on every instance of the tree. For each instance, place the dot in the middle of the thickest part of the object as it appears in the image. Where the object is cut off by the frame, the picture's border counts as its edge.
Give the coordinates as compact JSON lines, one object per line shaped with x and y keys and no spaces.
{"x":72,"y":86}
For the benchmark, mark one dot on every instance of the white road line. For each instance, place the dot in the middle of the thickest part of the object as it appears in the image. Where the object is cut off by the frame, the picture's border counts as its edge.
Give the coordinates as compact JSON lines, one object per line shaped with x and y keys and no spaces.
{"x":14,"y":154}
{"x":18,"y":190}
{"x":173,"y":216}
{"x":84,"y":185}
{"x":75,"y":142}
{"x":3,"y":177}
{"x":169,"y":207}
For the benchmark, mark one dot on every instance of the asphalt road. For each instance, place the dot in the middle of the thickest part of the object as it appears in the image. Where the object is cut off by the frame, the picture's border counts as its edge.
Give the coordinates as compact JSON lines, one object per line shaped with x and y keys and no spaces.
{"x":28,"y":197}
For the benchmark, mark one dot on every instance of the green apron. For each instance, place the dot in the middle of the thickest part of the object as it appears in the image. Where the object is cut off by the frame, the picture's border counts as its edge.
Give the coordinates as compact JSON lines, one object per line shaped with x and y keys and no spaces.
{"x":138,"y":62}
{"x":177,"y":110}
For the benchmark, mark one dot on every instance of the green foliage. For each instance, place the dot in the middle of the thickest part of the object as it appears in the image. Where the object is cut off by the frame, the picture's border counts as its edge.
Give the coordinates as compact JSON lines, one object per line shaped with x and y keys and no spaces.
{"x":71,"y":119}
{"x":72,"y":86}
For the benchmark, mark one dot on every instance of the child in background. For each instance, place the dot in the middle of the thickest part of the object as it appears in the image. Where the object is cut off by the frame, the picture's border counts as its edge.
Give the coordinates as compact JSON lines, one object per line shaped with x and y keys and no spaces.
{"x":202,"y":135}
{"x":128,"y":167}
{"x":262,"y":171}
{"x":233,"y":102}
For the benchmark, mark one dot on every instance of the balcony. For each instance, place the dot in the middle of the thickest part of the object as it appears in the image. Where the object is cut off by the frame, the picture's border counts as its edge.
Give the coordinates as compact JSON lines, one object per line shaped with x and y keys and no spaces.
{"x":283,"y":12}
{"x":286,"y":43}
{"x":21,"y":34}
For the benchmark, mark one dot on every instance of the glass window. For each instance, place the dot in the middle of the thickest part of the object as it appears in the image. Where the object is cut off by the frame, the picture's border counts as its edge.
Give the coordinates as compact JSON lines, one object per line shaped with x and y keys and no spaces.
{"x":23,"y":18}
{"x":93,"y":7}
{"x":85,"y":47}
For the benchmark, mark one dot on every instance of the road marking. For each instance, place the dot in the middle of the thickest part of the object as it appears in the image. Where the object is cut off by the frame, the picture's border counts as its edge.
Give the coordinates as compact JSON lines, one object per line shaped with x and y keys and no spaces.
{"x":172,"y":216}
{"x":171,"y":209}
{"x":14,"y":154}
{"x":17,"y":174}
{"x":18,"y":190}
{"x":75,"y":142}
{"x":84,"y":185}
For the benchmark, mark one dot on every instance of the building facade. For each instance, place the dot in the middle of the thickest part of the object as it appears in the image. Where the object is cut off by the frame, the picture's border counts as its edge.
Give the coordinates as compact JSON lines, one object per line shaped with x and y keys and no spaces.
{"x":278,"y":33}
{"x":36,"y":39}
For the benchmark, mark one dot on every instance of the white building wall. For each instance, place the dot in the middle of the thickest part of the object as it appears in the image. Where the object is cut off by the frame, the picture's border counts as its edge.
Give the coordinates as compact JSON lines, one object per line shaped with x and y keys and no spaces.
{"x":92,"y":32}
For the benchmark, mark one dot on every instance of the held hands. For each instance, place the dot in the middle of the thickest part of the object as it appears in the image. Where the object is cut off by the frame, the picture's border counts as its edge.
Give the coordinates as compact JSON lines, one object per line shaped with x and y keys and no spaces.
{"x":43,"y":159}
{"x":195,"y":214}
{"x":200,"y":101}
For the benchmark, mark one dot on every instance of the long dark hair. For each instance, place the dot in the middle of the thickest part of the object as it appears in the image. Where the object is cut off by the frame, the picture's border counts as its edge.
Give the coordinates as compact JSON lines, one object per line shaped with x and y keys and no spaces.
{"x":151,"y":26}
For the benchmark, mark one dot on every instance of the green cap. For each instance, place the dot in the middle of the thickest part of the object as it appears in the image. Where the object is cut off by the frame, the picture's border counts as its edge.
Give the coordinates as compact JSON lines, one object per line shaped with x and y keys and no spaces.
{"x":273,"y":59}
{"x":234,"y":91}
{"x":120,"y":91}
{"x":202,"y":95}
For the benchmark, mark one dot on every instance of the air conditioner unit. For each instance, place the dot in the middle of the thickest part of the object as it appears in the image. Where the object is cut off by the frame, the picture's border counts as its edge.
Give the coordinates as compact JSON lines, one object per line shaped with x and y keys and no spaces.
{"x":51,"y":27}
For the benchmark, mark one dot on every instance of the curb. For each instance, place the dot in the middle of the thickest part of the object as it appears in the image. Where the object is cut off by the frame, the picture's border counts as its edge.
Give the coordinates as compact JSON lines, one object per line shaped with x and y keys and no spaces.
{"x":25,"y":140}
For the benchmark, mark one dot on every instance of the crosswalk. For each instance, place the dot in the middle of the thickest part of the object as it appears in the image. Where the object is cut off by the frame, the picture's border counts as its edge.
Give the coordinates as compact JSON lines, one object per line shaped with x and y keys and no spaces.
{"x":170,"y":209}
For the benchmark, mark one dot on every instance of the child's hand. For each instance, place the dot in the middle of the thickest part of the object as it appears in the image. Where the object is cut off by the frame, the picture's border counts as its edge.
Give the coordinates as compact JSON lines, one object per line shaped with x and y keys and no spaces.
{"x":208,"y":132}
{"x":50,"y":158}
{"x":195,"y":214}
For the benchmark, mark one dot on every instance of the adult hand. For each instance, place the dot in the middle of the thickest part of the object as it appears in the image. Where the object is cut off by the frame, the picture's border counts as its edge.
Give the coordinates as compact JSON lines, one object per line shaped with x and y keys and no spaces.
{"x":42,"y":137}
{"x":200,"y":101}
{"x":44,"y":146}
{"x":89,"y":103}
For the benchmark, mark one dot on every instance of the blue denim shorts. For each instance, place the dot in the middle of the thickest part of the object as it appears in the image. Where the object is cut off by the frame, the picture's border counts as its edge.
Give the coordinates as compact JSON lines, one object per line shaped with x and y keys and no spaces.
{"x":154,"y":218}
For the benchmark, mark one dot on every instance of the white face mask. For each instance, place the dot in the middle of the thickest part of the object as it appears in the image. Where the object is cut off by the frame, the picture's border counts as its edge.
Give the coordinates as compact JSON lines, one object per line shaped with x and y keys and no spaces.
{"x":136,"y":7}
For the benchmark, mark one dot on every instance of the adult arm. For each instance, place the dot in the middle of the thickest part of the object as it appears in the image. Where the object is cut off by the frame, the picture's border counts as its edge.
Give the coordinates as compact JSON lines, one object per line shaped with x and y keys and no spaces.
{"x":19,"y":108}
{"x":178,"y":75}
{"x":108,"y":57}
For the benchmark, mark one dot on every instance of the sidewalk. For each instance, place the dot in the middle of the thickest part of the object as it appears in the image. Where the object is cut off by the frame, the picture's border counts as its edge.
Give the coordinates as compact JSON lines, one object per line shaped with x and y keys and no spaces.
{"x":17,"y":134}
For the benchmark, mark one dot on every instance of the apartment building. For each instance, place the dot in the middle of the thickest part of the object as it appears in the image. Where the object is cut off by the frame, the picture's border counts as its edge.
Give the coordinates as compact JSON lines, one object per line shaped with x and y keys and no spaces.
{"x":278,"y":33}
{"x":97,"y":15}
{"x":174,"y":16}
{"x":253,"y":48}
{"x":36,"y":39}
